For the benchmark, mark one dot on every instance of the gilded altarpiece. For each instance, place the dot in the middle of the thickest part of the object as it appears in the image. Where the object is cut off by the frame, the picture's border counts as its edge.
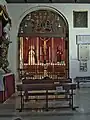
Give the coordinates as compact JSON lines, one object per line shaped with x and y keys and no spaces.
{"x":43,"y":43}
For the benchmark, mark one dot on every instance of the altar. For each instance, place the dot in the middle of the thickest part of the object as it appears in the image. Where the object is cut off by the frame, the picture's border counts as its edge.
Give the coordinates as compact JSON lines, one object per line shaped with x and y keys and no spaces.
{"x":42,"y":70}
{"x":7,"y":86}
{"x":43,"y":48}
{"x":43,"y":56}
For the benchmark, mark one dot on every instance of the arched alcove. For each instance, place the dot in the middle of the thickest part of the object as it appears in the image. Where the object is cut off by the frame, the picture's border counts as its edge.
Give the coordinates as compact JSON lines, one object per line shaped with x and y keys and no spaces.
{"x":44,"y":43}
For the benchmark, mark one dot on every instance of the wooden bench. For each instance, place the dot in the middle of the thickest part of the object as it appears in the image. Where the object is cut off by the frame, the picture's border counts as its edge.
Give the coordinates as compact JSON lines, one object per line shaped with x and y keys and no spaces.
{"x":67,"y":91}
{"x":81,"y":79}
{"x":45,"y":80}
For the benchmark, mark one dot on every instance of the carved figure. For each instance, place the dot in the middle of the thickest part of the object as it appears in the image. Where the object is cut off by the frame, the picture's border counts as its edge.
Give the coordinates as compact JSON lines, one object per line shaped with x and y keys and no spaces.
{"x":45,"y":48}
{"x":4,"y":39}
{"x":59,"y":54}
{"x":32,"y":58}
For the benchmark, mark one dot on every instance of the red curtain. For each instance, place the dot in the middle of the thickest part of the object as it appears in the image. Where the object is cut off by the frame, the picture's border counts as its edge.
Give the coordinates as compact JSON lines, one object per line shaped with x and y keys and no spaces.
{"x":27,"y":43}
{"x":59,"y":43}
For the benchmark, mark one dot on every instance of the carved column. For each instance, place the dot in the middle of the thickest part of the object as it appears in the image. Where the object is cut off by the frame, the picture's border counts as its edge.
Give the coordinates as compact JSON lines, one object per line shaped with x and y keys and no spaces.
{"x":38,"y":50}
{"x":53,"y":52}
{"x":21,"y":52}
{"x":40,"y":54}
{"x":52,"y":49}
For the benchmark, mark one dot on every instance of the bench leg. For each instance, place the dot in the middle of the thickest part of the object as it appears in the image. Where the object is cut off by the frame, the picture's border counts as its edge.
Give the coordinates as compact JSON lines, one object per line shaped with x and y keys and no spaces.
{"x":78,"y":86}
{"x":72,"y":105}
{"x":72,"y":99}
{"x":26,"y":96}
{"x":22,"y":102}
{"x":68,"y":95}
{"x":46,"y":100}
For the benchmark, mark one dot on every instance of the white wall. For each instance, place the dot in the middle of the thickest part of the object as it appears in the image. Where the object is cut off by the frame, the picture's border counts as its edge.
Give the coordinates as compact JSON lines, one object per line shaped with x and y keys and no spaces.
{"x":3,"y":2}
{"x":18,"y":11}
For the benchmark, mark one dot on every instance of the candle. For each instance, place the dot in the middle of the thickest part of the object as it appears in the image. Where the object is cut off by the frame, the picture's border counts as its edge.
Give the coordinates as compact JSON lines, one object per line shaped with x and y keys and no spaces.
{"x":40,"y":53}
{"x":49,"y":54}
{"x":40,"y":50}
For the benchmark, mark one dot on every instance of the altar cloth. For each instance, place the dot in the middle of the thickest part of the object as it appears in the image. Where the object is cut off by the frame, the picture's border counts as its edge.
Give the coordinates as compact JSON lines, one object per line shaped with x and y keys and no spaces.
{"x":2,"y":75}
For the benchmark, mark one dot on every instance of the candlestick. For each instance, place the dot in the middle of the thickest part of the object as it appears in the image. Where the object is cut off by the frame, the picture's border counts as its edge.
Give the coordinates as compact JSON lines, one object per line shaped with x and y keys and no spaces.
{"x":49,"y":54}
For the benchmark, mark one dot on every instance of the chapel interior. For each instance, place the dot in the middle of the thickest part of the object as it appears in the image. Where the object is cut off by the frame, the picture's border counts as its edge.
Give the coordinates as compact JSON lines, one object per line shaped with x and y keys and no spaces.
{"x":45,"y":59}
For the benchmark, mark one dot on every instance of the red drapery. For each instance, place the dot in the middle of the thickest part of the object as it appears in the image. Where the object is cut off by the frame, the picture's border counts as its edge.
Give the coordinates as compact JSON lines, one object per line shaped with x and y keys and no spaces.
{"x":59,"y":47}
{"x":27,"y":43}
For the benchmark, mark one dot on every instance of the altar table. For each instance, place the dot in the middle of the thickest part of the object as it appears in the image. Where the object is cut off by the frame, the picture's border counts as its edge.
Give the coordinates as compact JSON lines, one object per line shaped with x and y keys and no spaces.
{"x":7,"y":86}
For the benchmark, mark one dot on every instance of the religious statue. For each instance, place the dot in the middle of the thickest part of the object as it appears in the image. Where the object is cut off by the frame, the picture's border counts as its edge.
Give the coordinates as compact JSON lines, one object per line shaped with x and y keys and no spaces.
{"x":45,"y":48}
{"x":3,"y":54}
{"x":59,"y":54}
{"x":32,"y":59}
{"x":4,"y":39}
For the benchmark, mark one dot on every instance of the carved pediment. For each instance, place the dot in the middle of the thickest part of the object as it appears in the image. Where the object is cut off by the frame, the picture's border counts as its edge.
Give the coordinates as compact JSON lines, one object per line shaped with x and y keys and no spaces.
{"x":43,"y":21}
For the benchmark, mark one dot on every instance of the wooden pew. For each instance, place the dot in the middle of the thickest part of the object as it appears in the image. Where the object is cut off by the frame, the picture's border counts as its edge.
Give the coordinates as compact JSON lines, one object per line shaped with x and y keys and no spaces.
{"x":48,"y":80}
{"x":43,"y":81}
{"x":67,"y":87}
{"x":81,"y":79}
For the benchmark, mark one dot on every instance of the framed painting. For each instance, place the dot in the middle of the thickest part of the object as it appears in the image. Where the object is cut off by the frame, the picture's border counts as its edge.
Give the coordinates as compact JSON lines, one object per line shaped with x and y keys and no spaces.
{"x":80,"y":19}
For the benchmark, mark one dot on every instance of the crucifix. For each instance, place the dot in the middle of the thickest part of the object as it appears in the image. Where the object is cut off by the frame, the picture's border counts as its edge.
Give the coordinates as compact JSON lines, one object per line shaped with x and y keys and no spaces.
{"x":45,"y":46}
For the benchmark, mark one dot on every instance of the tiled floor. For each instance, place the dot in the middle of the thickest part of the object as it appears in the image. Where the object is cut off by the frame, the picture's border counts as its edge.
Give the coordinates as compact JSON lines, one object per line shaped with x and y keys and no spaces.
{"x":82,"y":99}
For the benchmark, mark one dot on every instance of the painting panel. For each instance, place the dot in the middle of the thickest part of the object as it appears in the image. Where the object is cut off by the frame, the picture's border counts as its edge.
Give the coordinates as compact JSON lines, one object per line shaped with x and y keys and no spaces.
{"x":80,"y":19}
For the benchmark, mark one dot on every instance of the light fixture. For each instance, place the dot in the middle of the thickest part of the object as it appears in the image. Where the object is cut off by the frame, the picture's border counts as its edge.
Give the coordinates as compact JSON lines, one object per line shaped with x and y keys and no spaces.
{"x":26,"y":38}
{"x":28,"y":17}
{"x":58,"y":18}
{"x":21,"y":30}
{"x":59,"y":25}
{"x":25,"y":24}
